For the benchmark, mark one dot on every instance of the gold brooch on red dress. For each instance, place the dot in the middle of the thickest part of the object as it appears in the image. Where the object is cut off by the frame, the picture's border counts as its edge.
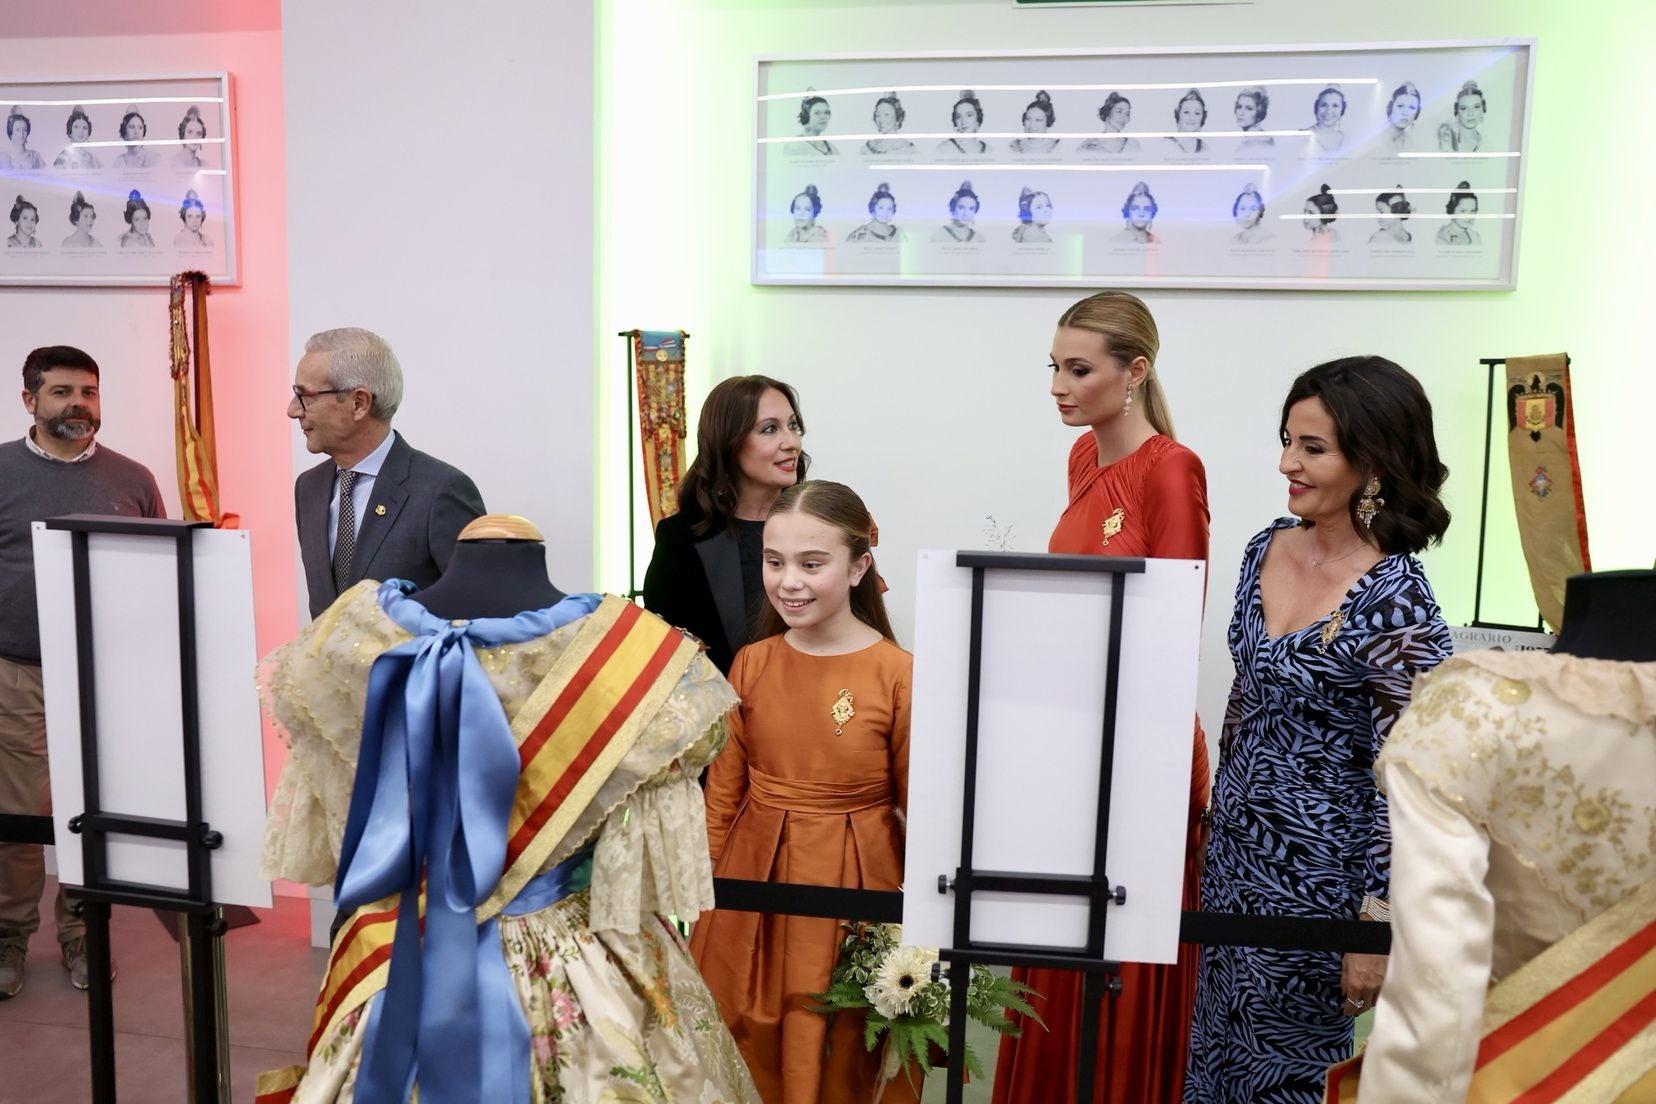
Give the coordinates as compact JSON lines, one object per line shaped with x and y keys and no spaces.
{"x":1112,"y":524}
{"x":842,"y":712}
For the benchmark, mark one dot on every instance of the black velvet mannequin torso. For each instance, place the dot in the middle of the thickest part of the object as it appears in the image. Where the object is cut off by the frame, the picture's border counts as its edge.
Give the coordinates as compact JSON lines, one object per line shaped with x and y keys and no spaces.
{"x":1610,"y":615}
{"x":491,"y":578}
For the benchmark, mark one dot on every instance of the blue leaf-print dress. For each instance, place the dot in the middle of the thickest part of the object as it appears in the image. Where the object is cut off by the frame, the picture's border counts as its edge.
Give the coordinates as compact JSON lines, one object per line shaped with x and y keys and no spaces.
{"x":1299,"y":827}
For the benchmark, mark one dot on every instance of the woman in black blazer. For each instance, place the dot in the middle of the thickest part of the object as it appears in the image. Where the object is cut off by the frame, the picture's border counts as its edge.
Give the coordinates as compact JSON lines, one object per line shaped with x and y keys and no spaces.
{"x":706,"y":575}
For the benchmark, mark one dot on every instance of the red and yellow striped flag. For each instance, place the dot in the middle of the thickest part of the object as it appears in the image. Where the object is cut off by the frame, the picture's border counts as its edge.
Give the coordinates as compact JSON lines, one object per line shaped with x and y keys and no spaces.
{"x":194,"y":435}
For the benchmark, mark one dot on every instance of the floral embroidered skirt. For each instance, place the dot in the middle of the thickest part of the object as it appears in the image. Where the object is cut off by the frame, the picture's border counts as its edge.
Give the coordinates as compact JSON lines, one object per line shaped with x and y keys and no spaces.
{"x":614,"y":1018}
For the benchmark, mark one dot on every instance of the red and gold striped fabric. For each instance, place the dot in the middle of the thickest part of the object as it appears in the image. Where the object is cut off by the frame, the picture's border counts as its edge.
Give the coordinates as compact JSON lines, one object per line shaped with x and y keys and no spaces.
{"x":1576,"y":1025}
{"x":583,"y":718}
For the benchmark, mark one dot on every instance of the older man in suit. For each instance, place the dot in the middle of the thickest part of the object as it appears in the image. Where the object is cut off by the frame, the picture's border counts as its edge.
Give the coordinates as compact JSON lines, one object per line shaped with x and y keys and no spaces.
{"x":376,"y":508}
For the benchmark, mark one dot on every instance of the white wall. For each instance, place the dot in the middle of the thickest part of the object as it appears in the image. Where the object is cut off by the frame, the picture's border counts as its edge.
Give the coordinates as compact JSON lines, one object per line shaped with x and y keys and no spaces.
{"x":933,"y":403}
{"x":439,"y":190}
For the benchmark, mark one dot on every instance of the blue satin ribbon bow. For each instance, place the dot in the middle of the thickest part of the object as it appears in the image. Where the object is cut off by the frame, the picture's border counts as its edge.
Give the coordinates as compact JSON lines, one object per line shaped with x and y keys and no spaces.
{"x":436,"y":775}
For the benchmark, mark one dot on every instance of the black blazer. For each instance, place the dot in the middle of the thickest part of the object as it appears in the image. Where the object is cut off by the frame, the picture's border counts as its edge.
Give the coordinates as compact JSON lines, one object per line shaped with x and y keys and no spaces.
{"x":695,"y":583}
{"x":417,"y":507}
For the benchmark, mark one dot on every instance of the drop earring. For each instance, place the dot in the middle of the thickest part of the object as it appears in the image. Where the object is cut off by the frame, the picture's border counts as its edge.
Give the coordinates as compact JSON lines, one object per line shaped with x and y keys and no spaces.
{"x":1127,"y":407}
{"x":1370,"y":503}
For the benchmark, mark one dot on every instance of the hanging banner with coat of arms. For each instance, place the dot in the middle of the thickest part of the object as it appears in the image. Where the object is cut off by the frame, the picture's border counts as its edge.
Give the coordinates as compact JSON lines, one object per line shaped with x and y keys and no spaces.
{"x":658,"y":358}
{"x":1546,"y":477}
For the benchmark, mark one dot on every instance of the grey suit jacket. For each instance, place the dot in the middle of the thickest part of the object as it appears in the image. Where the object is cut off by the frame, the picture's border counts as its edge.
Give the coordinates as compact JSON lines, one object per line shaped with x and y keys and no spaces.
{"x":417,"y":507}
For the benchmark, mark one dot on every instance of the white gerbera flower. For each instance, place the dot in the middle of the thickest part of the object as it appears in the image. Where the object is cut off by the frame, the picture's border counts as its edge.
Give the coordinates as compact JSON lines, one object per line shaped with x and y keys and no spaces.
{"x":899,"y":980}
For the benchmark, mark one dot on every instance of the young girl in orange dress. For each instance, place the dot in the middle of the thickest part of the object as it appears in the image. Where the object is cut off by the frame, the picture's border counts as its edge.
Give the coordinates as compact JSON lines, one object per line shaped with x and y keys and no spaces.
{"x":810,"y":788}
{"x":1133,"y":491}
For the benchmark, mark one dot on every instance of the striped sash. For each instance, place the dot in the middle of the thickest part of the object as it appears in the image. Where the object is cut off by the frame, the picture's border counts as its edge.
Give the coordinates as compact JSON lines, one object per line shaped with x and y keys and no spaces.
{"x":1575,"y":1025}
{"x":580,"y":722}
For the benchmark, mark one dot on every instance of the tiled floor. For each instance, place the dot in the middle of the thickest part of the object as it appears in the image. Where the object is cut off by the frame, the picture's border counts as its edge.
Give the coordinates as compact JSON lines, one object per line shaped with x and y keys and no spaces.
{"x":271,"y":972}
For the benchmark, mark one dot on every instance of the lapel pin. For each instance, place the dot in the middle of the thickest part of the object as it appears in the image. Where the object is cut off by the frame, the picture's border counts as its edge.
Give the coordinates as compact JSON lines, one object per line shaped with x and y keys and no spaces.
{"x":379,"y":511}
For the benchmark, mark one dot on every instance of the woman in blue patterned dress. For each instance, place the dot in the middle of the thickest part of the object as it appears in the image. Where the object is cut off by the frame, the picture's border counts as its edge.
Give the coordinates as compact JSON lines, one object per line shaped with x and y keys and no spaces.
{"x":1334,"y":618}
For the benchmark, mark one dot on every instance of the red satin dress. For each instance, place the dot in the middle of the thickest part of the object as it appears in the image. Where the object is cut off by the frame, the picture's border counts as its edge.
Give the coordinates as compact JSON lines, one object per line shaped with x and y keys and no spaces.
{"x":1152,"y":503}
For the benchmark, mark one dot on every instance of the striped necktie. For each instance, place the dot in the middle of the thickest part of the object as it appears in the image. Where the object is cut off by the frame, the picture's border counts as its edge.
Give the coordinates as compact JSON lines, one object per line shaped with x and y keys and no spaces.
{"x":345,"y":534}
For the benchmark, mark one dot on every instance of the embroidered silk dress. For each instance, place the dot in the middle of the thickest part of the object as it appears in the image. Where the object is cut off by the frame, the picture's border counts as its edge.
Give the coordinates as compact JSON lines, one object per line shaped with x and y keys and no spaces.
{"x":1151,"y":503}
{"x":791,"y":801}
{"x":1299,"y":827}
{"x":1522,"y":789}
{"x":613,"y":1006}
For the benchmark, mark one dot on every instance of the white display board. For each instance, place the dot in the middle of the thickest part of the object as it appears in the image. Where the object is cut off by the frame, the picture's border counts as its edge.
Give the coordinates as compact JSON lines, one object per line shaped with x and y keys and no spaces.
{"x":1045,"y":638}
{"x":134,"y":591}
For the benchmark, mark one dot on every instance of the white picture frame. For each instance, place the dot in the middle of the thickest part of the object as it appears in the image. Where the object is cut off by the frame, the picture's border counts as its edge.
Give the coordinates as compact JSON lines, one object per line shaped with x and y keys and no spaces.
{"x":77,"y":159}
{"x":1071,"y":203}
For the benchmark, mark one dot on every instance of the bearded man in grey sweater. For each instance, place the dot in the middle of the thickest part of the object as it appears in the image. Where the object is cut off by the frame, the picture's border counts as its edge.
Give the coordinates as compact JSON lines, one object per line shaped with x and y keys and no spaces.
{"x":56,"y":468}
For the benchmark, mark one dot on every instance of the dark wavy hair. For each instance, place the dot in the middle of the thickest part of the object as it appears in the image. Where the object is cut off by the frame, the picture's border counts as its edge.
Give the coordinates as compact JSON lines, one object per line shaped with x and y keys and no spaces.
{"x":135,"y":203}
{"x":837,"y":505}
{"x":707,"y":493}
{"x":805,"y":106}
{"x":1383,"y":422}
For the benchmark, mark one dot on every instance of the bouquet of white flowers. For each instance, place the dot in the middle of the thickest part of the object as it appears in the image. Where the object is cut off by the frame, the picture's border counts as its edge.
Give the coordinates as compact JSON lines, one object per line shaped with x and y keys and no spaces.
{"x":894,"y":985}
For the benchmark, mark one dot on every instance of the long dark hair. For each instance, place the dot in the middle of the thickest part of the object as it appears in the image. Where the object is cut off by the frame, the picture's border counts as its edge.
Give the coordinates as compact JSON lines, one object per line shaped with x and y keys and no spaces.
{"x":707,"y":493}
{"x":1384,"y":424}
{"x":837,"y":505}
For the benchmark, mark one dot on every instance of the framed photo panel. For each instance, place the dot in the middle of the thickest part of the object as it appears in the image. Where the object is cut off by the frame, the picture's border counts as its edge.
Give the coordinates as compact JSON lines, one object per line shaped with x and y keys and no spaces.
{"x":117,"y":181}
{"x":1382,"y":166}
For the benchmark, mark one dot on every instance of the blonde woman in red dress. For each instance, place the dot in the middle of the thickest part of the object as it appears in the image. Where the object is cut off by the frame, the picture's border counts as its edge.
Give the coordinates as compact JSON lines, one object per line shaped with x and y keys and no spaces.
{"x":1133,"y":491}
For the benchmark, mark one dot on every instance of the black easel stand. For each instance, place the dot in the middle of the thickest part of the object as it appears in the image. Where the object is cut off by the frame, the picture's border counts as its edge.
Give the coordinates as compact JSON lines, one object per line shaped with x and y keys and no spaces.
{"x":202,"y":948}
{"x":633,"y":592}
{"x":1103,"y":977}
{"x":1491,"y":364}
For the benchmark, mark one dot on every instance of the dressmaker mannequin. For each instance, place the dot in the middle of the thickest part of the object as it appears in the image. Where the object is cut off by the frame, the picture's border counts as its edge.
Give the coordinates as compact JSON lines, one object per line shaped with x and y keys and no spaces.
{"x":498,"y":570}
{"x":1610,"y":615}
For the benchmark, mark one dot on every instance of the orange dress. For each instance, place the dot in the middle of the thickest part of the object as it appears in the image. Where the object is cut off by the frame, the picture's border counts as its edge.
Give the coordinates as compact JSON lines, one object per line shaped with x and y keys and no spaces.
{"x":790,"y":801}
{"x":1152,"y":503}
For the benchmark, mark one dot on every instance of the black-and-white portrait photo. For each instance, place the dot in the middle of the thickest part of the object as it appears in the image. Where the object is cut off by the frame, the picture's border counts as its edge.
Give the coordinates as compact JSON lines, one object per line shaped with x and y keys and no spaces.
{"x":1189,"y":117}
{"x":963,"y":209}
{"x":1034,"y":212}
{"x":137,"y":215}
{"x":1248,"y":212}
{"x":1320,"y":211}
{"x":1462,"y":209}
{"x":967,"y":120}
{"x":888,"y":120}
{"x":193,"y":214}
{"x":1402,"y":111}
{"x":882,"y":208}
{"x":805,"y":209}
{"x":1115,"y":113}
{"x":17,"y":155}
{"x":1252,"y":105}
{"x":1462,"y":135}
{"x":75,"y":156}
{"x":1284,"y":167}
{"x":25,"y":220}
{"x":814,"y":115}
{"x":1038,"y":118}
{"x":192,"y":125}
{"x":1327,"y":130}
{"x":82,"y":216}
{"x":1137,"y":214}
{"x":133,"y":130}
{"x":1393,"y":209}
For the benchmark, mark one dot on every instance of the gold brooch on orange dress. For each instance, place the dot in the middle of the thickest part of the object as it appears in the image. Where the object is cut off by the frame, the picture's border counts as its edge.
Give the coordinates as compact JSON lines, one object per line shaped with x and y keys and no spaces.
{"x":842,"y":712}
{"x":1112,"y":524}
